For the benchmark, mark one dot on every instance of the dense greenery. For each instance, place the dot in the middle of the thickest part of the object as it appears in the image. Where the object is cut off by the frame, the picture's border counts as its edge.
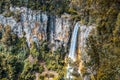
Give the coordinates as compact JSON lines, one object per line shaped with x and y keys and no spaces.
{"x":54,"y":7}
{"x":103,"y":46}
{"x":18,"y":62}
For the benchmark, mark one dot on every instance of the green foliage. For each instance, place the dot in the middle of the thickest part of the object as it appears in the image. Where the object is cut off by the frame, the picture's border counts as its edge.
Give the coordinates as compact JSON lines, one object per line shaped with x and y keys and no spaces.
{"x":10,"y":66}
{"x":9,"y":14}
{"x":42,"y":77}
{"x":15,"y":62}
{"x":41,"y":69}
{"x":4,"y":5}
{"x":33,"y":50}
{"x":52,"y":6}
{"x":103,"y":46}
{"x":13,"y":52}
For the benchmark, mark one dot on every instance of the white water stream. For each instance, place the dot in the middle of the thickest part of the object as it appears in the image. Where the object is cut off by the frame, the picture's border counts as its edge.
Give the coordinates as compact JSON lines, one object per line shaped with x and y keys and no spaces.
{"x":84,"y":33}
{"x":72,"y":53}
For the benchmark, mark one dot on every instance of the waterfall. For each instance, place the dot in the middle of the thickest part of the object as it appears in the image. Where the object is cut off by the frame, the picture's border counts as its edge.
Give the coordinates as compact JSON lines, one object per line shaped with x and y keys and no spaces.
{"x":72,"y":53}
{"x":83,"y":35}
{"x":73,"y":42}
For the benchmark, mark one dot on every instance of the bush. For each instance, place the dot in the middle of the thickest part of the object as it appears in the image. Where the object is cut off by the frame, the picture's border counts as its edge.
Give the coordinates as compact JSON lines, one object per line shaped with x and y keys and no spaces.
{"x":9,"y":14}
{"x":41,"y":69}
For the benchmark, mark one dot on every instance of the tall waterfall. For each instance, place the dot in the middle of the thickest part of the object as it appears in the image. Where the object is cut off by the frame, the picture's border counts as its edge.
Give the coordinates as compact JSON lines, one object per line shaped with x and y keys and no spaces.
{"x":72,"y":53}
{"x":83,"y":35}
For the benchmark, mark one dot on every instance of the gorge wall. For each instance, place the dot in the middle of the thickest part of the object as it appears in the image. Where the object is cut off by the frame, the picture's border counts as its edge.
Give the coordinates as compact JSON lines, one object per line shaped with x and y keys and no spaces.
{"x":38,"y":26}
{"x":29,"y":37}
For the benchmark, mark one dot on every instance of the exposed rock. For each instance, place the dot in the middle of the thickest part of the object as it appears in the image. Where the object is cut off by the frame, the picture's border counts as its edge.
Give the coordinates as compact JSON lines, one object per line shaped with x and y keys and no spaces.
{"x":83,"y":57}
{"x":38,"y":26}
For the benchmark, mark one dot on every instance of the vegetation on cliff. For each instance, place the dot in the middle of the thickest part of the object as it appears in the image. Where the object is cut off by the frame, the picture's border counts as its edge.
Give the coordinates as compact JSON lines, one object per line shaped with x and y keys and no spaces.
{"x":53,"y":7}
{"x":18,"y":62}
{"x":103,"y":46}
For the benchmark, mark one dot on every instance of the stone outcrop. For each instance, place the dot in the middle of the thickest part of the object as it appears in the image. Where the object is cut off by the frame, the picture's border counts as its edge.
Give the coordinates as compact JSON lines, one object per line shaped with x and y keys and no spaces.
{"x":39,"y":26}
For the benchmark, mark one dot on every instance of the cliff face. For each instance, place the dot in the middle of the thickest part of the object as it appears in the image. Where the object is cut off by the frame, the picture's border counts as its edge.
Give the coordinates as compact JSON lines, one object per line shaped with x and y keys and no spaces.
{"x":38,"y":26}
{"x":78,"y":54}
{"x":96,"y":47}
{"x":83,"y":57}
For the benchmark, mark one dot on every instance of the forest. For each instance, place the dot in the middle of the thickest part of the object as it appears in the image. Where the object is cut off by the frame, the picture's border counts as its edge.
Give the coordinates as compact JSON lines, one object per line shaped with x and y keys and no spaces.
{"x":19,"y":62}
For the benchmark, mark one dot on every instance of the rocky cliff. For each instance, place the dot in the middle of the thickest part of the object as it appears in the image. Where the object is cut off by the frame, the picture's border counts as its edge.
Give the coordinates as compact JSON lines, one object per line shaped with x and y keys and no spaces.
{"x":38,"y":26}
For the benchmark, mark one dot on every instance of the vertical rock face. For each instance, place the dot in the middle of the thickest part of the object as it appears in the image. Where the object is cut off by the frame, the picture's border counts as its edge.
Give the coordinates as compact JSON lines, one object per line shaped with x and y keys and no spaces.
{"x":38,"y":26}
{"x":85,"y":32}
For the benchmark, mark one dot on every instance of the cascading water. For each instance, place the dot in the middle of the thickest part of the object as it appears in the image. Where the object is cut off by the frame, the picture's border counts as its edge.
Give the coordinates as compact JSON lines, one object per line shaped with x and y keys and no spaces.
{"x":72,"y":53}
{"x":83,"y":35}
{"x":73,"y":42}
